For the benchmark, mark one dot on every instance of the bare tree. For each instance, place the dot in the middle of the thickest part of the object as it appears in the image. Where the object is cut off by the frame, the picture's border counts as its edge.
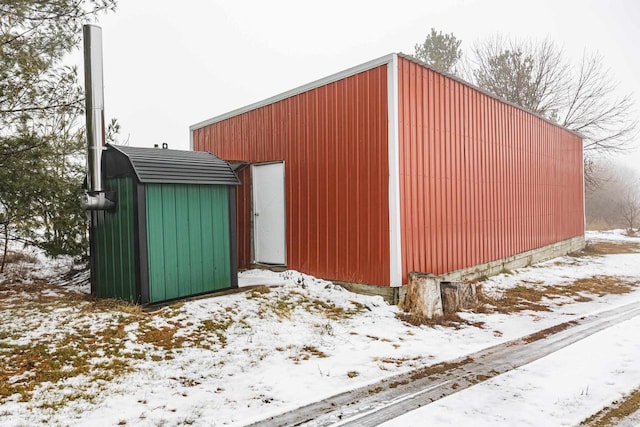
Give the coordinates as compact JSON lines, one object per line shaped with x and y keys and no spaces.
{"x":590,"y":107}
{"x":537,"y":76}
{"x":602,"y":201}
{"x":630,"y":207}
{"x":531,"y":75}
{"x":615,"y":201}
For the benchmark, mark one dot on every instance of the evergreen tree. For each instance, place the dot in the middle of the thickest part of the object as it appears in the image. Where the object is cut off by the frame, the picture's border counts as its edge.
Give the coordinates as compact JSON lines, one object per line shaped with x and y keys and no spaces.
{"x":41,"y":141}
{"x":440,"y":51}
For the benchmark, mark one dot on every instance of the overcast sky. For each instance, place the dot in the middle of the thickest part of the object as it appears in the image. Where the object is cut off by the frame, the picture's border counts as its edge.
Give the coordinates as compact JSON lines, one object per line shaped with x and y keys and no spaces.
{"x":172,"y":64}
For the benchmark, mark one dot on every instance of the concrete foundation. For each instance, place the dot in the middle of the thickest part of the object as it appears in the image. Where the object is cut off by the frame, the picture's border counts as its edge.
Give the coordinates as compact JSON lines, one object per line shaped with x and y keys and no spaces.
{"x":391,"y":295}
{"x":533,"y":256}
{"x":515,"y":261}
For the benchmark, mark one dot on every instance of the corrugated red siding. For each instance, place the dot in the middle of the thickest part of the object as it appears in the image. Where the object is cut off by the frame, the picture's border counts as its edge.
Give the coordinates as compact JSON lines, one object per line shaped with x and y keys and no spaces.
{"x":480,"y":180}
{"x":333,"y":140}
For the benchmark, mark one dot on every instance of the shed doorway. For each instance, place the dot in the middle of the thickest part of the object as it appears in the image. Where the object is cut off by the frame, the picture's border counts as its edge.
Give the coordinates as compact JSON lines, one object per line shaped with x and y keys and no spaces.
{"x":269,"y":225}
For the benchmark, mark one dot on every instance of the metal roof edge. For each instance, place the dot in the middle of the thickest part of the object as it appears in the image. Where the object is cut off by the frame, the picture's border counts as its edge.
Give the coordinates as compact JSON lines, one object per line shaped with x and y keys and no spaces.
{"x":233,"y":171}
{"x":485,"y":92}
{"x":162,"y":151}
{"x":296,"y":91}
{"x":133,"y":166}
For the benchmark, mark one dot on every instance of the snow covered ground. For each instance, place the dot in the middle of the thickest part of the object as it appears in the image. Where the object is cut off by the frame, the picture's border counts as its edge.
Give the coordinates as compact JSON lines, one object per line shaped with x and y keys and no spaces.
{"x":235,"y":359}
{"x":561,"y":389}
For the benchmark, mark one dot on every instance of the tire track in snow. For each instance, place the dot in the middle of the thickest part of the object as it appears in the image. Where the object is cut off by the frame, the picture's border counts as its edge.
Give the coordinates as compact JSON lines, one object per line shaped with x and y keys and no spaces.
{"x":394,"y":396}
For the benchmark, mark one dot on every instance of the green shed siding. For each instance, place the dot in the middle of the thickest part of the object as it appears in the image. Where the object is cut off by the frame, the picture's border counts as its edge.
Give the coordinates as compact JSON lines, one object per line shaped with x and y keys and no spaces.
{"x":187,"y":239}
{"x":113,"y":245}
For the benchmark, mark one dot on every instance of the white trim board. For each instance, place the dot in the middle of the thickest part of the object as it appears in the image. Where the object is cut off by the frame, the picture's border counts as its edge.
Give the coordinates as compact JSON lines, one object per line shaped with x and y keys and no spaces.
{"x":304,"y":88}
{"x":395,"y":235}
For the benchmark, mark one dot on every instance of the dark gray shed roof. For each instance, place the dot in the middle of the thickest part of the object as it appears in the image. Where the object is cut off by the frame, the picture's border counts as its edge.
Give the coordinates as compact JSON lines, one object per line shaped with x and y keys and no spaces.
{"x":156,"y":165}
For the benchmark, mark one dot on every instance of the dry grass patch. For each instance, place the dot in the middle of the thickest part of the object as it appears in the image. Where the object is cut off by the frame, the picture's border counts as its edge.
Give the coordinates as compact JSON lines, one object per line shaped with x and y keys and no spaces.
{"x":608,"y":248}
{"x":549,"y":331}
{"x":612,"y":415}
{"x":80,"y":337}
{"x":19,"y":257}
{"x":105,"y":305}
{"x":528,"y":297}
{"x":175,"y":334}
{"x":261,"y":289}
{"x":163,"y":337}
{"x":36,"y":290}
{"x":449,"y":320}
{"x":518,"y":298}
{"x":17,"y":266}
{"x":307,"y":352}
{"x":218,"y":328}
{"x":597,"y":285}
{"x":395,"y":384}
{"x":282,"y":305}
{"x":51,"y":336}
{"x":56,"y":358}
{"x":439,"y":368}
{"x":74,"y":271}
{"x":398,"y":361}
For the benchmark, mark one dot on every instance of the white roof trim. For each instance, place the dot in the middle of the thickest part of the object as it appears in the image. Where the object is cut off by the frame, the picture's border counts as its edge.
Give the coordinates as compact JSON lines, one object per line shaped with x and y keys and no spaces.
{"x":326,"y":80}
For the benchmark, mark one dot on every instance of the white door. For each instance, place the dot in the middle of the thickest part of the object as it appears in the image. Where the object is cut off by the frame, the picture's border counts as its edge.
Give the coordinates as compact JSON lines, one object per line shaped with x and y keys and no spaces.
{"x":269,"y":232}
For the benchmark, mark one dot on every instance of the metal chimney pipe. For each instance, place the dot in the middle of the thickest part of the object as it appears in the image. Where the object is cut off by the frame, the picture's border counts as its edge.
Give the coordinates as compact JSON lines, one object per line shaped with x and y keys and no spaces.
{"x":95,"y":199}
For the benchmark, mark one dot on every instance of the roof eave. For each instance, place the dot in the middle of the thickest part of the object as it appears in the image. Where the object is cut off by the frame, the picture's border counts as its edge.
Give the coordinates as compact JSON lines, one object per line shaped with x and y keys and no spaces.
{"x":133,"y":166}
{"x":296,"y":91}
{"x":485,"y":92}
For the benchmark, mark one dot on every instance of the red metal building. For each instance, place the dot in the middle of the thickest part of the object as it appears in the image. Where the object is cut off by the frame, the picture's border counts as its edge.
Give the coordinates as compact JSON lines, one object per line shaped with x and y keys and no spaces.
{"x":391,"y":167}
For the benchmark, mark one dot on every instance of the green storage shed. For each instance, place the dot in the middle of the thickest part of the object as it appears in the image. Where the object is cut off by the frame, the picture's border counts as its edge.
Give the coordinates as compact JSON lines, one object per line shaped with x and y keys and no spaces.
{"x":171,"y":233}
